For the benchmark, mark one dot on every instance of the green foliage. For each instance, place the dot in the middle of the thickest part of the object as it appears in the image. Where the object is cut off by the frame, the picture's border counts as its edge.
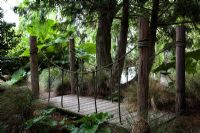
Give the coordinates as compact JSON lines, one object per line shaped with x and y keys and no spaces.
{"x":16,"y":106}
{"x":164,"y":67}
{"x":91,"y":124}
{"x":191,"y":62}
{"x":17,"y":76}
{"x":55,"y":78}
{"x":43,"y":30}
{"x":193,"y":86}
{"x":8,"y":37}
{"x":43,"y":118}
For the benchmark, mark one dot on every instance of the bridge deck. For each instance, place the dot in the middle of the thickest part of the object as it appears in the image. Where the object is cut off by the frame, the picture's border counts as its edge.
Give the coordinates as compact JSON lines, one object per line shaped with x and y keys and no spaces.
{"x":87,"y":106}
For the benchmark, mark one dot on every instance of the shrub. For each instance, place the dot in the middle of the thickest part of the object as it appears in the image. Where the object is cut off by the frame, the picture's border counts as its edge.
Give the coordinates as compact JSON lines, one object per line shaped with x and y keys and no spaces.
{"x":94,"y":123}
{"x":42,"y":121}
{"x":86,"y":86}
{"x":16,"y":106}
{"x":193,"y":87}
{"x":55,"y":79}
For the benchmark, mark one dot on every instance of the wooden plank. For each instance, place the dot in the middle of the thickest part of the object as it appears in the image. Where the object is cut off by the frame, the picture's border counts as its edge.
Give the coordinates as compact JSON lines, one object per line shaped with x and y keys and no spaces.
{"x":87,"y":107}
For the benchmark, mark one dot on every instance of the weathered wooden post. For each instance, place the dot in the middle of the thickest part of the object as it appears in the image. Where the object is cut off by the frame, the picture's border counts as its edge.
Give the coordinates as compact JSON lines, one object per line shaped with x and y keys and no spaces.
{"x":34,"y":67}
{"x":72,"y":63}
{"x":180,"y":71}
{"x":143,"y":77}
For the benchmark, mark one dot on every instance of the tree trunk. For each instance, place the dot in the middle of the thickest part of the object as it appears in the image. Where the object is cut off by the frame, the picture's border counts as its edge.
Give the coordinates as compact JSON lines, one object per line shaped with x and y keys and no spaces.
{"x":34,"y":67}
{"x":153,"y":30}
{"x":103,"y":37}
{"x":103,"y":41}
{"x":122,"y":44}
{"x":72,"y":63}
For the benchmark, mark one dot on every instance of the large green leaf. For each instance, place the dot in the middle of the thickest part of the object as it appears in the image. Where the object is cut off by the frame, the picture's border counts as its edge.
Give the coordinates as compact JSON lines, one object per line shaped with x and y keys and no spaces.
{"x":26,"y":53}
{"x":190,"y":63}
{"x":88,"y":47}
{"x":193,"y":54}
{"x":164,"y":67}
{"x":17,"y":76}
{"x":43,"y":30}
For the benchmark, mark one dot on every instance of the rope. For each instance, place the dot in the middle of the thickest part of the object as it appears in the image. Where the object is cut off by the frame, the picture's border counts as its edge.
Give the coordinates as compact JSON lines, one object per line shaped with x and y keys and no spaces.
{"x":106,"y":66}
{"x":102,"y":68}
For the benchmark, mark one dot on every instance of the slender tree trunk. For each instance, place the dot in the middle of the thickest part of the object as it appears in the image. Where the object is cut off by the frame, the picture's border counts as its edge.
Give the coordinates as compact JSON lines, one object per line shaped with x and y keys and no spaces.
{"x":72,"y":60}
{"x":122,"y":44}
{"x":153,"y":30}
{"x":34,"y":67}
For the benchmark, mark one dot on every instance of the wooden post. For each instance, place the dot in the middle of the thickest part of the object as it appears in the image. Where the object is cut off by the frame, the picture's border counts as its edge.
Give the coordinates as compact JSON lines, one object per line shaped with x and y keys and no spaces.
{"x":180,"y":71}
{"x":34,"y":67}
{"x":143,"y":77}
{"x":72,"y":62}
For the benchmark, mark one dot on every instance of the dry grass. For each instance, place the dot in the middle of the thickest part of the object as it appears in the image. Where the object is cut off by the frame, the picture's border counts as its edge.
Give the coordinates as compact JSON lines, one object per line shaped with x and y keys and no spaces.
{"x":158,"y":92}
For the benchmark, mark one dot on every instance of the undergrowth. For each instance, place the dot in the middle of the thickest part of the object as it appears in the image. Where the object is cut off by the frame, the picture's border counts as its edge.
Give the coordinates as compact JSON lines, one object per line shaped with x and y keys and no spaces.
{"x":158,"y":94}
{"x":16,"y":106}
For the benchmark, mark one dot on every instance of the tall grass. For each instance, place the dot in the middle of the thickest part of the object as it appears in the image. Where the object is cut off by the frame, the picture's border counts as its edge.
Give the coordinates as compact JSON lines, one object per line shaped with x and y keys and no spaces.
{"x":193,"y":86}
{"x":16,"y":106}
{"x":158,"y":92}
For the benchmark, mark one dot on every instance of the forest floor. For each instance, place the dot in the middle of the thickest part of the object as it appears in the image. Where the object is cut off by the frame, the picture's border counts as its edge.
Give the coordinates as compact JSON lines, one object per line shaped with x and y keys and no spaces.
{"x":192,"y":121}
{"x":189,"y":123}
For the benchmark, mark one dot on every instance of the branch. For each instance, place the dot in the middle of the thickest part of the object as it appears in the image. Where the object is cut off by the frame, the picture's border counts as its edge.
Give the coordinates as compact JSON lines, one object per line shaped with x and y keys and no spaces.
{"x":178,"y":23}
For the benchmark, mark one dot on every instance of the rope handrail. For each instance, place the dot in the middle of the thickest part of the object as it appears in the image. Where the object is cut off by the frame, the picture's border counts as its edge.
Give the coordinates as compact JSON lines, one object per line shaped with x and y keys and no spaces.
{"x":106,"y":66}
{"x":102,"y":68}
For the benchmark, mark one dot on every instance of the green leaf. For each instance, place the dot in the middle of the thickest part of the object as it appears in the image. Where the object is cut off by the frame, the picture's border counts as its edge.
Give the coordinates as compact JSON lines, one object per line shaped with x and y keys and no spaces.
{"x":51,"y":49}
{"x":17,"y":76}
{"x":64,"y":120}
{"x":88,"y":128}
{"x":88,"y":47}
{"x":193,"y":54}
{"x":61,"y":40}
{"x":164,"y":67}
{"x":104,"y":130}
{"x":190,"y":64}
{"x":26,"y":53}
{"x":52,"y":123}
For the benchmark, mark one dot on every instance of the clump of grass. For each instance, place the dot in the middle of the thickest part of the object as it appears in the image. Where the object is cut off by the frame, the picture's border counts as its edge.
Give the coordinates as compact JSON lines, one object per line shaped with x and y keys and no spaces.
{"x":193,"y":87}
{"x":176,"y":126}
{"x":86,"y":86}
{"x":157,"y":93}
{"x":16,"y":106}
{"x":55,"y":80}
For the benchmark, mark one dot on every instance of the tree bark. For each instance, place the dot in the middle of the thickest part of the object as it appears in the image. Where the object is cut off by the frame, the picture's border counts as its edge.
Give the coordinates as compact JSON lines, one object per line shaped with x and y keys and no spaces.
{"x":72,"y":63}
{"x":122,"y":44}
{"x":34,"y":67}
{"x":153,"y":30}
{"x":103,"y":38}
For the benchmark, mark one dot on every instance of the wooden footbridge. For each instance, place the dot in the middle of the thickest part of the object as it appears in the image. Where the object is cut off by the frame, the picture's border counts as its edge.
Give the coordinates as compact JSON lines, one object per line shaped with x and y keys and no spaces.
{"x":87,"y":107}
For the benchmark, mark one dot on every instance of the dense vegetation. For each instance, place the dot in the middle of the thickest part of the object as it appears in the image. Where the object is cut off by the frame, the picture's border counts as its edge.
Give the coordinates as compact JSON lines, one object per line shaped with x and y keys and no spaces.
{"x":106,"y":36}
